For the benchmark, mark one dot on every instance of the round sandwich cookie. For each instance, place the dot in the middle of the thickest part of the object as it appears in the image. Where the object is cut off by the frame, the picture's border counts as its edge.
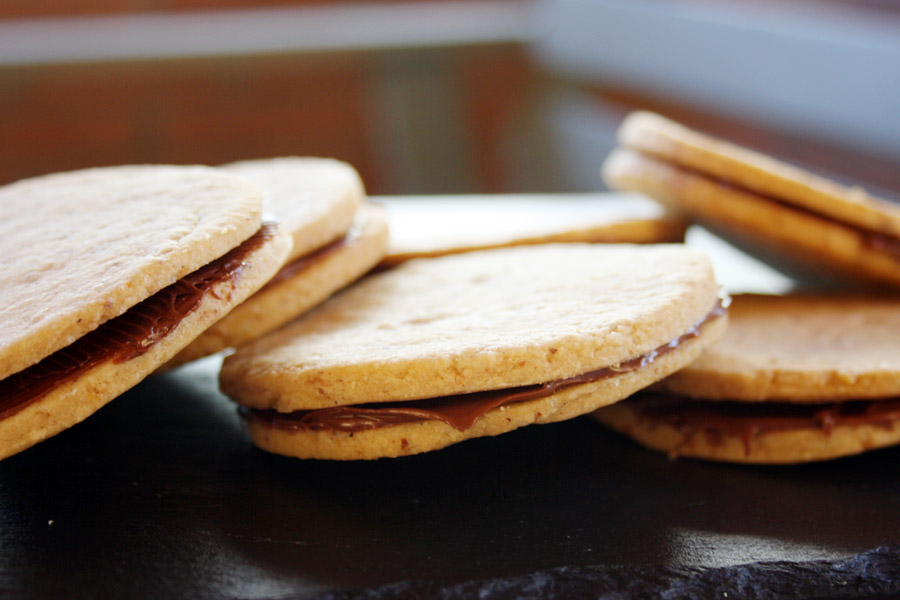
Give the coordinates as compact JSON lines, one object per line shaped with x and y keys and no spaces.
{"x":797,"y":220}
{"x":340,"y":238}
{"x":794,"y":379}
{"x":107,"y":274}
{"x":439,"y":225}
{"x":436,"y":351}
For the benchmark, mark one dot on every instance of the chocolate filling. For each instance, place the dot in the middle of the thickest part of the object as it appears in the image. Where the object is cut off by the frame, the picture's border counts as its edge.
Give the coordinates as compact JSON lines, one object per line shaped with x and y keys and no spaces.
{"x":875,"y":240}
{"x":129,"y":335}
{"x":747,"y":420}
{"x":459,"y":411}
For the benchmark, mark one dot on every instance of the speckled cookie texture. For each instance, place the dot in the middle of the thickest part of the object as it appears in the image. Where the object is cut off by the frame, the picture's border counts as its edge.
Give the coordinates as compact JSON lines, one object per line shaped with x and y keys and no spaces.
{"x":473,"y":322}
{"x":439,"y":225}
{"x":758,"y":201}
{"x":314,"y":199}
{"x":800,"y":348}
{"x":795,"y":378}
{"x":83,"y":248}
{"x":297,"y":288}
{"x":340,"y":237}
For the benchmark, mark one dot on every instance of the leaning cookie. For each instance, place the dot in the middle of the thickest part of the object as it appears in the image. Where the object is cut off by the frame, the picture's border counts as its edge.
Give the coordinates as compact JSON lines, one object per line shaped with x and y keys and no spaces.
{"x":107,"y":274}
{"x":789,"y":216}
{"x":314,"y":199}
{"x":795,"y":379}
{"x":340,"y":237}
{"x":440,"y":350}
{"x":439,"y":225}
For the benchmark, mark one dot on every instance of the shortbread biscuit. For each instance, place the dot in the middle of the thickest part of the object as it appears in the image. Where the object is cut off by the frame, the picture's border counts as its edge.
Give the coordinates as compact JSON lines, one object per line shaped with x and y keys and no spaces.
{"x":800,"y":348}
{"x":298,"y":287}
{"x":439,"y":350}
{"x":435,"y":226}
{"x":794,"y":379}
{"x":314,"y":199}
{"x":108,"y":273}
{"x":769,"y":433}
{"x":767,"y":206}
{"x":320,"y":202}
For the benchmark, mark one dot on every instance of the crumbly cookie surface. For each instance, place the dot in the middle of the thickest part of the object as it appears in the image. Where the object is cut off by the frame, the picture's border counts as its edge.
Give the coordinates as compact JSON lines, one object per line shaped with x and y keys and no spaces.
{"x":76,"y":398}
{"x":800,"y":348}
{"x":435,"y":226}
{"x":82,"y":247}
{"x":670,"y":141}
{"x":315,"y":199}
{"x":283,"y":300}
{"x":470,"y":322}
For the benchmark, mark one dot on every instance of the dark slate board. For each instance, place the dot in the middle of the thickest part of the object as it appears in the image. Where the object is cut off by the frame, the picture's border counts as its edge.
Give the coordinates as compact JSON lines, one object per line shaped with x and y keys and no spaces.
{"x":160,"y":495}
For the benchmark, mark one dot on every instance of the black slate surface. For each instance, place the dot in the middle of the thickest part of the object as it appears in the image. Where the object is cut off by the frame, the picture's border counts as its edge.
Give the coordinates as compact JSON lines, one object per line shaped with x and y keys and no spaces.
{"x":160,"y":495}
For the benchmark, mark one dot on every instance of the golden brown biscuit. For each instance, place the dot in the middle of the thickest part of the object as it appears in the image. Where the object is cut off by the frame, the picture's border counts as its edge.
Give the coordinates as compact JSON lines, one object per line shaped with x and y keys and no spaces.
{"x":297,"y":287}
{"x":109,"y":273}
{"x":761,"y":203}
{"x":320,"y":202}
{"x":795,"y":378}
{"x":314,"y":199}
{"x":558,"y":329}
{"x":762,"y":433}
{"x":800,"y":348}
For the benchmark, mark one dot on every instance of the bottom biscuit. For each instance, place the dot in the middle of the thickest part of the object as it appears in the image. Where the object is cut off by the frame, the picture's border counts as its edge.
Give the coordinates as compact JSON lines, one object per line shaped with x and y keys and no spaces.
{"x":758,"y":433}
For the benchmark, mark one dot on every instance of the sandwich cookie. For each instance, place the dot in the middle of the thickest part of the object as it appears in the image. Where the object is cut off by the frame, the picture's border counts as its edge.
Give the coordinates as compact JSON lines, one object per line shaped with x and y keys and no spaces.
{"x":795,"y":379}
{"x":435,"y":226}
{"x":107,"y":273}
{"x":794,"y":218}
{"x":440,"y":350}
{"x":337,"y":238}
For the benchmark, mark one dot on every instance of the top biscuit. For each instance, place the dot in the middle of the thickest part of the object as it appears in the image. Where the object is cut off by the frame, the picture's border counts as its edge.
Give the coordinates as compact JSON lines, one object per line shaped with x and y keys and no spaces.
{"x":479,"y":321}
{"x":82,"y":247}
{"x":800,"y":349}
{"x":314,"y":199}
{"x":674,"y":143}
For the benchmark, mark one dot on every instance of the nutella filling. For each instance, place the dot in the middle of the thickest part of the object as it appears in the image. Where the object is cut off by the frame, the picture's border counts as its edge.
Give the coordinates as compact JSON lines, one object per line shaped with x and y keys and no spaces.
{"x":874,"y":240}
{"x":747,"y":420}
{"x":459,"y":411}
{"x":129,"y":335}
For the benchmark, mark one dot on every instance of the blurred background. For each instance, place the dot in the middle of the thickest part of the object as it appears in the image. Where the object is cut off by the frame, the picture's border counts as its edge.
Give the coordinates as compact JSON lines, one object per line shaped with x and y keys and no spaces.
{"x":432,"y":97}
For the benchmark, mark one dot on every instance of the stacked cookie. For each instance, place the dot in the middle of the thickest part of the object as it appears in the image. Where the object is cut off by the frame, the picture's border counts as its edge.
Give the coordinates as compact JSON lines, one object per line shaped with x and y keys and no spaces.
{"x":467,"y":331}
{"x":796,"y":378}
{"x":492,"y":327}
{"x":108,"y":273}
{"x":803,"y":222}
{"x":338,"y":236}
{"x":114,"y":273}
{"x":436,"y":351}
